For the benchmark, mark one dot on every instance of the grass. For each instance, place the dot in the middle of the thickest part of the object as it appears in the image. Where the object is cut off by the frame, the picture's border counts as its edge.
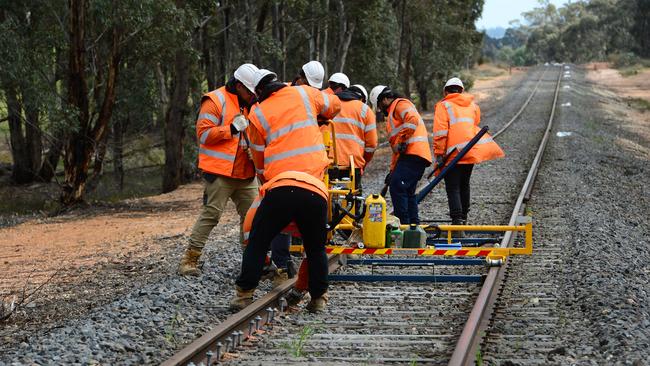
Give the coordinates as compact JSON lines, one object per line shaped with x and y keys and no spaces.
{"x":296,"y":347}
{"x":487,"y":71}
{"x":479,"y":358}
{"x":172,"y":326}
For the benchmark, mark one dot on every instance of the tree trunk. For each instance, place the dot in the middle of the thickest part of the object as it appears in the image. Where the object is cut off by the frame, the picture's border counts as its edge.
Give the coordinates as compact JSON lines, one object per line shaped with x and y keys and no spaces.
{"x":346,"y":29}
{"x":175,"y":124}
{"x":119,"y":127}
{"x":80,"y":145}
{"x":33,"y":135}
{"x":20,"y":172}
{"x":407,"y":68}
{"x":325,"y":34}
{"x":48,"y":167}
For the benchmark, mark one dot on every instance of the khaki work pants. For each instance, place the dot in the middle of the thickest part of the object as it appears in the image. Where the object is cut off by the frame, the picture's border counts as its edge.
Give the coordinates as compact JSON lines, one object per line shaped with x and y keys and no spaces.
{"x":241,"y":191}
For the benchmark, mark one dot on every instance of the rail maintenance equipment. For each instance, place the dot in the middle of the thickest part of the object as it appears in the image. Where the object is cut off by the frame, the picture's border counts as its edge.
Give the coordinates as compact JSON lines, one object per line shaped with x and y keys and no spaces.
{"x":360,"y":225}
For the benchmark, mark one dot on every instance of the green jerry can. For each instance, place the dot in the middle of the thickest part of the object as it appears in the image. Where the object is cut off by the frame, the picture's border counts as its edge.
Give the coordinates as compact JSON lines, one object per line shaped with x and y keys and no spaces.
{"x":393,"y":237}
{"x":414,"y":237}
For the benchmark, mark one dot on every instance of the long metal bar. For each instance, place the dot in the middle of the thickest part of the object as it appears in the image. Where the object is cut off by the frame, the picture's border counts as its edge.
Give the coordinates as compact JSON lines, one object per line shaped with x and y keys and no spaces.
{"x":465,"y":351}
{"x":425,"y":191}
{"x":196,"y":351}
{"x":404,"y":278}
{"x":416,"y":262}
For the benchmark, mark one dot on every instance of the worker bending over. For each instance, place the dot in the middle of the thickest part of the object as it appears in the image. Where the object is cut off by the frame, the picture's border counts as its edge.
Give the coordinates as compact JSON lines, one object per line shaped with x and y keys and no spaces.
{"x":287,"y":144}
{"x":408,"y":139}
{"x":455,"y":123}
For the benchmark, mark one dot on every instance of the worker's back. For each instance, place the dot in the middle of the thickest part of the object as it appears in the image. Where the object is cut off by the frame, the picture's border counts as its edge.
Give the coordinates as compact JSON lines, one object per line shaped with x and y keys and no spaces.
{"x":356,"y":132}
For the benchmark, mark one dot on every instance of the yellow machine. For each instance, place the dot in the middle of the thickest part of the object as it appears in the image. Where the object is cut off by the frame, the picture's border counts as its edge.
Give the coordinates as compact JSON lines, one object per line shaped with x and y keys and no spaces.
{"x":370,"y":224}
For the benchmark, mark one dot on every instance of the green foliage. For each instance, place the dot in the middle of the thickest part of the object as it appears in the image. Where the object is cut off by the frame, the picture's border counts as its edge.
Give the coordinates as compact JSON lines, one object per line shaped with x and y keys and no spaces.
{"x":296,"y":347}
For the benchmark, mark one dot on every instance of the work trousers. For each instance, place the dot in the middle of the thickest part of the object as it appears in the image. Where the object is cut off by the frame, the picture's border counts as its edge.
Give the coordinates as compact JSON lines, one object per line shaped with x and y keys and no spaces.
{"x":279,"y":207}
{"x":218,"y":189}
{"x":458,"y":191}
{"x":404,"y":180}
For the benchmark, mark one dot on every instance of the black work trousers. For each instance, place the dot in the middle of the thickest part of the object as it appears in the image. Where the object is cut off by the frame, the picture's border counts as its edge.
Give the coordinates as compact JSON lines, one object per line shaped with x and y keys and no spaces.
{"x":458,"y":191}
{"x":279,"y":207}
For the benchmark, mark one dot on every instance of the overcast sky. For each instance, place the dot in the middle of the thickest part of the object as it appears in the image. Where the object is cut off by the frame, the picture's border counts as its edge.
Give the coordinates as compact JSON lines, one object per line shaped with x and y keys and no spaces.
{"x":500,"y":12}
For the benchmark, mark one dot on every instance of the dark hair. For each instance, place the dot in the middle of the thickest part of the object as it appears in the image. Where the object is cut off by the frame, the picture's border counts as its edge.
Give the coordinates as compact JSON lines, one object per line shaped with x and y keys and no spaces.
{"x":453,"y":89}
{"x":358,"y":92}
{"x":334,"y":85}
{"x":388,"y":93}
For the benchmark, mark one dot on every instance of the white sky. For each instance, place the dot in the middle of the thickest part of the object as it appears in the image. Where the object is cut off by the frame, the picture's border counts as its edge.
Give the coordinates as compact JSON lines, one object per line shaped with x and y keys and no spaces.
{"x":501,"y":12}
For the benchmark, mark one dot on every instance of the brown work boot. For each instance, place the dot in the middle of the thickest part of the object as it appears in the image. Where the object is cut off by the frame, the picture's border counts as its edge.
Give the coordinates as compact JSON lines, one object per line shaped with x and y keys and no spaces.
{"x":242,"y":298}
{"x":317,"y":305}
{"x":279,"y":277}
{"x":457,"y":234}
{"x":189,"y":263}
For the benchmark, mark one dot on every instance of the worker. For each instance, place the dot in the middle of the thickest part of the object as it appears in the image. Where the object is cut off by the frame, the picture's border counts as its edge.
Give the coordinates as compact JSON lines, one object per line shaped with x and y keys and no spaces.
{"x":455,"y":123}
{"x":338,"y":82}
{"x":355,"y":128}
{"x":288,"y":146}
{"x":358,"y":88}
{"x":312,"y":73}
{"x":408,"y":139}
{"x":227,"y":170}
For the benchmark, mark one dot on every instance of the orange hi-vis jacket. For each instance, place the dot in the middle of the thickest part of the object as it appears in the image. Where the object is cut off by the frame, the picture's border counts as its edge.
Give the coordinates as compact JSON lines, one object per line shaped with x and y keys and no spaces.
{"x":285,"y":134}
{"x":356,"y":134}
{"x":455,"y":122}
{"x":287,"y":144}
{"x":219,"y":151}
{"x":406,"y":126}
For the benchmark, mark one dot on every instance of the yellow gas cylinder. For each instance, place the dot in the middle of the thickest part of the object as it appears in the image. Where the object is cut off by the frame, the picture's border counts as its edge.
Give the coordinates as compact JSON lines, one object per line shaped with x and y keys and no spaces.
{"x":374,"y":222}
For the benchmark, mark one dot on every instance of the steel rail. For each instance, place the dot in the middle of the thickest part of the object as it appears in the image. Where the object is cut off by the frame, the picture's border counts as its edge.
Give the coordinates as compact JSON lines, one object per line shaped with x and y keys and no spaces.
{"x":465,"y":351}
{"x":197,"y":351}
{"x":530,"y":97}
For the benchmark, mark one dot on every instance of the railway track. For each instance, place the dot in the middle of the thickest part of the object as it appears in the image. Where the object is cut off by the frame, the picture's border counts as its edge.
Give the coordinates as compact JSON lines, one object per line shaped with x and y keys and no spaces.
{"x":371,"y":323}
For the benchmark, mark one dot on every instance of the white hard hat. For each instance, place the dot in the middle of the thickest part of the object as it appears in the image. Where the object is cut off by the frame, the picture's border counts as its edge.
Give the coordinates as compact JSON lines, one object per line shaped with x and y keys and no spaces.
{"x":454,"y":81}
{"x":260,"y":74}
{"x":374,"y":93}
{"x":363,"y":90}
{"x":246,"y":75}
{"x":340,"y":78}
{"x":315,"y":73}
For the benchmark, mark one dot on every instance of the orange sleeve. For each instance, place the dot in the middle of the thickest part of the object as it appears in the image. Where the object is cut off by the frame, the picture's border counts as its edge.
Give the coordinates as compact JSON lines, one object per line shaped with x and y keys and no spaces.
{"x":440,"y":130}
{"x":327,"y":105}
{"x":410,"y":118}
{"x":207,"y":130}
{"x":370,"y":133}
{"x":257,"y":142}
{"x":477,"y":118}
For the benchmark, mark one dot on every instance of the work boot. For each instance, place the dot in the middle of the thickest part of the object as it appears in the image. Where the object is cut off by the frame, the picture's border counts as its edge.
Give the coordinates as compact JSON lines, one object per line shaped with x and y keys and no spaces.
{"x":280,"y":276}
{"x":189,"y":263}
{"x":295,"y":296}
{"x":317,"y":305}
{"x":242,"y":298}
{"x":269,"y":271}
{"x":457,"y":234}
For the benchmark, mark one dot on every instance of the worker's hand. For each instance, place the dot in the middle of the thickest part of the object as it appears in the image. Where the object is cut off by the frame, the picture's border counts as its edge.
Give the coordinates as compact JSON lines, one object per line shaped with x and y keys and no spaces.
{"x":440,"y":160}
{"x":239,"y":123}
{"x":401,"y":147}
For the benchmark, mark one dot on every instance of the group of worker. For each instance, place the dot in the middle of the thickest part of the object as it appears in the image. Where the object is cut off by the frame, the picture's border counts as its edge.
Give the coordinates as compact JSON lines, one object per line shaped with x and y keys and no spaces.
{"x":257,"y":128}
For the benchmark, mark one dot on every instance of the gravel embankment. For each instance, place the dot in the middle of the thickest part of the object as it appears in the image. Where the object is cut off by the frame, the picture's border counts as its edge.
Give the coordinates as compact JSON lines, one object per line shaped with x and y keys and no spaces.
{"x":583,"y":297}
{"x":161,"y":312}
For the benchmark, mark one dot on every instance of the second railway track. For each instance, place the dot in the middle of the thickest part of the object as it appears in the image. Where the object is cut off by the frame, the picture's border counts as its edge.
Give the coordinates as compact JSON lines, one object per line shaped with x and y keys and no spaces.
{"x":396,"y":323}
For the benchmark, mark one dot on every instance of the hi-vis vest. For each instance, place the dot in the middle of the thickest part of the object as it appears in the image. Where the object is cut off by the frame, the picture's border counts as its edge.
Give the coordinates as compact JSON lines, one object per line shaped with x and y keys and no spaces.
{"x":405,"y":125}
{"x":356,"y":133}
{"x":456,"y":122}
{"x":219,"y":152}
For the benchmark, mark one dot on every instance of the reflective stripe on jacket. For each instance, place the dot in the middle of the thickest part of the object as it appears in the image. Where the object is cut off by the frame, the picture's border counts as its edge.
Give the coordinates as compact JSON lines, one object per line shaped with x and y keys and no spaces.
{"x":456,"y":121}
{"x":356,"y":133}
{"x":406,"y":126}
{"x":219,"y":151}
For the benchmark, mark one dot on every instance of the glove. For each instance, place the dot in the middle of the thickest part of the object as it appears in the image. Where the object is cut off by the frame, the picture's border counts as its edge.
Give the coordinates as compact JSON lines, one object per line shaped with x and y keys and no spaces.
{"x":401,"y":147}
{"x":440,"y":160}
{"x":239,"y":123}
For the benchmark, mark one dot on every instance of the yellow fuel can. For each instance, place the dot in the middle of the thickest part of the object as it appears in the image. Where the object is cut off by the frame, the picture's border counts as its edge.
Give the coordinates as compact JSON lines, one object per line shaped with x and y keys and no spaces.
{"x":374,"y":222}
